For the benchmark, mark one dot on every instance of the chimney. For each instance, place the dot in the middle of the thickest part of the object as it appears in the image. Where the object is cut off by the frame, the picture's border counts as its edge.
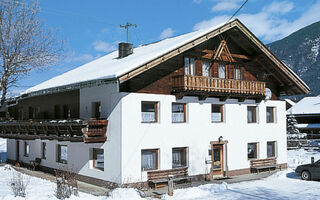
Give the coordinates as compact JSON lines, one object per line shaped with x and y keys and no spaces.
{"x":125,"y":49}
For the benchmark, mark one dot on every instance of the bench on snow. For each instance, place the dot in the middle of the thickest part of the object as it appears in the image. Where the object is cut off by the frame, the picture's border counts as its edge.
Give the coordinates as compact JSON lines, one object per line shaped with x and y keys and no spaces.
{"x":267,"y":163}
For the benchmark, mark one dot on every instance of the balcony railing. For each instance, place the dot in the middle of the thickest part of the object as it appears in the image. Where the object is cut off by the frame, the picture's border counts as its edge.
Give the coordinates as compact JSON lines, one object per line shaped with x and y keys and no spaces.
{"x":74,"y":131}
{"x":217,"y":85}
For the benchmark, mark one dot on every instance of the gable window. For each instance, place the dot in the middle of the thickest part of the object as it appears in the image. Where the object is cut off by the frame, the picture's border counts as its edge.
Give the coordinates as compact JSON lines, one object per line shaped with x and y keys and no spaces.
{"x":179,"y":157}
{"x":178,"y":112}
{"x":44,"y":150}
{"x":149,"y":159}
{"x":252,"y":114}
{"x":62,"y":154}
{"x":237,"y":72}
{"x":205,"y":68}
{"x":149,"y":111}
{"x":216,"y":113}
{"x":98,"y":158}
{"x":189,"y":66}
{"x":270,"y":114}
{"x":271,"y":149}
{"x":26,"y":149}
{"x":222,"y":70}
{"x":252,"y":150}
{"x":96,"y":110}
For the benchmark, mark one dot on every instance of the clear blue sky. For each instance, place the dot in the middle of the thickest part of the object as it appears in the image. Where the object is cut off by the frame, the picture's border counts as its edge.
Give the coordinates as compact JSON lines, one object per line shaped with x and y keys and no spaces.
{"x":91,"y":27}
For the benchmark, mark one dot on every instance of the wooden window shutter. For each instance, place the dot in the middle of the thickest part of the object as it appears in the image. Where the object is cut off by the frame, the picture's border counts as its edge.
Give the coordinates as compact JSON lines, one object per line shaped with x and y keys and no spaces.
{"x":243,"y":73}
{"x":215,"y":69}
{"x":231,"y":72}
{"x":198,"y":64}
{"x":221,"y":113}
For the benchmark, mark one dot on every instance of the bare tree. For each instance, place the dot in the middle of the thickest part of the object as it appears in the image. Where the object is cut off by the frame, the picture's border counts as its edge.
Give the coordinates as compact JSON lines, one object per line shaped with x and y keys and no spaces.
{"x":25,"y":43}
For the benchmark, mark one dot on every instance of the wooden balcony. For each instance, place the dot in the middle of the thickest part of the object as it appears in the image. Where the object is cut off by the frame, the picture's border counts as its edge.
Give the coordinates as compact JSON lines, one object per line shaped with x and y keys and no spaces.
{"x":75,"y":131}
{"x":216,"y":87}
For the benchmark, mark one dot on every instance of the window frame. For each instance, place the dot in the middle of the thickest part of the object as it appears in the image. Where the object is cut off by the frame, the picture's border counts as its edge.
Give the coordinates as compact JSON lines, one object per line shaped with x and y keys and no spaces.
{"x":203,"y":68}
{"x":58,"y":151}
{"x":225,"y":70}
{"x":237,"y":68}
{"x":274,"y":143}
{"x":26,"y":149}
{"x":184,"y":112}
{"x":273,"y":116}
{"x":156,"y":151}
{"x":257,"y":150}
{"x":156,"y":111}
{"x":94,"y":158}
{"x":221,"y":112}
{"x":43,"y":150}
{"x":255,"y":115}
{"x":187,"y":67}
{"x":184,"y":161}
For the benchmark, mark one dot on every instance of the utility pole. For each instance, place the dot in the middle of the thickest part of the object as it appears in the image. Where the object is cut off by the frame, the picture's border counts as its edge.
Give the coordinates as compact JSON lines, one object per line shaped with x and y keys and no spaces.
{"x":127,"y":28}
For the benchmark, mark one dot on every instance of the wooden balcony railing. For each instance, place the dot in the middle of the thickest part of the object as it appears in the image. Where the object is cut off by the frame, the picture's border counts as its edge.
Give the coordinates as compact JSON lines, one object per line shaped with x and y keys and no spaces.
{"x":75,"y":131}
{"x":217,"y":85}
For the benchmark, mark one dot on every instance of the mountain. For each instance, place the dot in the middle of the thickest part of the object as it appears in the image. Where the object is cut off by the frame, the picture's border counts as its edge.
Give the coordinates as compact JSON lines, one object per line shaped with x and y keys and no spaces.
{"x":301,"y":52}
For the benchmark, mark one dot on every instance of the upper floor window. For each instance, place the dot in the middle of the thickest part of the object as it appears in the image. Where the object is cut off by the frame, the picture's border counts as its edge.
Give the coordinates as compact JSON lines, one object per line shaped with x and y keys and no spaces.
{"x":205,"y":68}
{"x":222,"y":70}
{"x":189,"y":66}
{"x":149,"y":159}
{"x":270,"y":115}
{"x":178,"y":112}
{"x":252,"y":114}
{"x":237,"y":72}
{"x":149,"y":111}
{"x":26,"y":149}
{"x":216,"y":113}
{"x":96,"y":110}
{"x":179,"y":157}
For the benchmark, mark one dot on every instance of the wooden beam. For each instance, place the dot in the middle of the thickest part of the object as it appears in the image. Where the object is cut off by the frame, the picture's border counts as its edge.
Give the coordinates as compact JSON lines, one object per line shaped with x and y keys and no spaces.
{"x":211,"y":52}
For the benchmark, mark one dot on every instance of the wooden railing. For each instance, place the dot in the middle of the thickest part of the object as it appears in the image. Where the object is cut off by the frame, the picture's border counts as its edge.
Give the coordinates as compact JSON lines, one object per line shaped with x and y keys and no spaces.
{"x":208,"y":84}
{"x":74,"y":131}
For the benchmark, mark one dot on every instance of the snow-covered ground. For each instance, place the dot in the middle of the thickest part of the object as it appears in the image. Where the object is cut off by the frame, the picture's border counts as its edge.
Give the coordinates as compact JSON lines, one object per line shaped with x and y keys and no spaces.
{"x":283,"y":185}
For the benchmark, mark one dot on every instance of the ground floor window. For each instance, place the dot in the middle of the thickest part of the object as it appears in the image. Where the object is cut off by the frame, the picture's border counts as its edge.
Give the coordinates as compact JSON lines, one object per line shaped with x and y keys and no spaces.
{"x":62,"y":154}
{"x":252,"y":150}
{"x":26,"y":149}
{"x":44,"y":150}
{"x":216,"y":113}
{"x":98,"y":158}
{"x":271,"y":149}
{"x":179,"y":157}
{"x":149,"y":159}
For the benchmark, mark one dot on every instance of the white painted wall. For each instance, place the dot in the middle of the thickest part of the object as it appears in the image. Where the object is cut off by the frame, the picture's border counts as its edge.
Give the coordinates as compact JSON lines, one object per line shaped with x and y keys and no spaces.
{"x":197,"y":133}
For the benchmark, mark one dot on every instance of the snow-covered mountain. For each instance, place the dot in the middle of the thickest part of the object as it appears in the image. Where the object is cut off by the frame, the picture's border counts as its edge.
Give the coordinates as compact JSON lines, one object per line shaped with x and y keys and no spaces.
{"x":301,"y":52}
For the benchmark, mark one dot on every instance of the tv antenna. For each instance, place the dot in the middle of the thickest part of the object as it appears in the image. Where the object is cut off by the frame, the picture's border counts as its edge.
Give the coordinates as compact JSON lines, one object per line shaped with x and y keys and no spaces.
{"x":127,"y":26}
{"x":236,"y":11}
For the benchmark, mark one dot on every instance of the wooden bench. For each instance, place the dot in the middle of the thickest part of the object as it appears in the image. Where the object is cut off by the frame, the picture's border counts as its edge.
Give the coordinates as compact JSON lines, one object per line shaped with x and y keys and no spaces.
{"x":267,"y":163}
{"x":159,"y":178}
{"x":35,"y":163}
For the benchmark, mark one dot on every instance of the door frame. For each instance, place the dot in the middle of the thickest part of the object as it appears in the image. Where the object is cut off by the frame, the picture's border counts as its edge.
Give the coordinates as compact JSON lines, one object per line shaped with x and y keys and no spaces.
{"x":222,"y":144}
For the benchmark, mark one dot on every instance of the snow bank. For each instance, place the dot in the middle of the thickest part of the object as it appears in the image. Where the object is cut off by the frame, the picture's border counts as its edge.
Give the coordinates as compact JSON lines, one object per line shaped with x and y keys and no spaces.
{"x":299,"y":157}
{"x":124,"y":193}
{"x":3,"y":145}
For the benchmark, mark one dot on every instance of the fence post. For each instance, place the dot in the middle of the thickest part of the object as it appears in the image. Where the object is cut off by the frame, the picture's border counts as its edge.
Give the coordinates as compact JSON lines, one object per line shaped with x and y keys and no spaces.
{"x":170,"y":185}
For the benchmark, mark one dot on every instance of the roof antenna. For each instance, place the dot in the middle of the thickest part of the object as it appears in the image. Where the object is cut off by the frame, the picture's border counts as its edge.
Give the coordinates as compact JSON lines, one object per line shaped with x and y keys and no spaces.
{"x":236,"y":12}
{"x":127,"y":27}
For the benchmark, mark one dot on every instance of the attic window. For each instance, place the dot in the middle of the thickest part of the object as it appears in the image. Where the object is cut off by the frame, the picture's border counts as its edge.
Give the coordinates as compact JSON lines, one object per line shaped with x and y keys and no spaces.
{"x":237,"y":72}
{"x":189,"y":68}
{"x":222,"y":70}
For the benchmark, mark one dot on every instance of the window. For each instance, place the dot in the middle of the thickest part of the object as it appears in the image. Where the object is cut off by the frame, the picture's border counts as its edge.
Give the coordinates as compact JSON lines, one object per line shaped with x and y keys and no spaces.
{"x":178,"y":112}
{"x":66,"y":111}
{"x":96,"y":110}
{"x":216,"y":113}
{"x":252,"y":114}
{"x":252,"y":150}
{"x":62,"y":154}
{"x":270,"y":115}
{"x":44,"y":150}
{"x":26,"y":149}
{"x":205,"y":68}
{"x":222,"y":70}
{"x":149,"y":159}
{"x":237,"y":72}
{"x":179,"y":157}
{"x":271,"y":149}
{"x":98,"y":159}
{"x":149,"y":112}
{"x":189,"y":68}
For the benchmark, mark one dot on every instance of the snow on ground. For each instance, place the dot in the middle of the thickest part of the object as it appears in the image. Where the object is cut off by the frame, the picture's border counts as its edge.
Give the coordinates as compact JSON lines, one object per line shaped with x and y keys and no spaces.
{"x":283,"y":185}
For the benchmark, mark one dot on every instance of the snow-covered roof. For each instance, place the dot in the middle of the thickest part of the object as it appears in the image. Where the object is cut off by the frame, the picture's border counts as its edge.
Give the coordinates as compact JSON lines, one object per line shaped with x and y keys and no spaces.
{"x":289,"y":101}
{"x":307,"y":125}
{"x":110,"y":66}
{"x":307,"y":105}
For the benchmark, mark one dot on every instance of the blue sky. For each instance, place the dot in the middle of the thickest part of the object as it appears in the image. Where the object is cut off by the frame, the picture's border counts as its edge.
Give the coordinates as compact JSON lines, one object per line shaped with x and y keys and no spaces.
{"x":91,"y":28}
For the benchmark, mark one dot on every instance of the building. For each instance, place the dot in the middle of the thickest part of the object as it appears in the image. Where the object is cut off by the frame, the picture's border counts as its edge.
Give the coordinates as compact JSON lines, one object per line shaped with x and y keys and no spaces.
{"x":307,"y":114}
{"x":206,"y":102}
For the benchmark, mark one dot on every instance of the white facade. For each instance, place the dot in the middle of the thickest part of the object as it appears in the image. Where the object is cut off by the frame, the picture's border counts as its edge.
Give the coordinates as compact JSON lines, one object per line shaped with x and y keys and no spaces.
{"x":127,"y":135}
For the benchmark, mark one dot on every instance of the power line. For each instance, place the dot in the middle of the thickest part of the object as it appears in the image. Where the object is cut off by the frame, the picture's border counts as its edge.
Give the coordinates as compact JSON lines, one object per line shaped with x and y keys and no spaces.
{"x":237,"y":11}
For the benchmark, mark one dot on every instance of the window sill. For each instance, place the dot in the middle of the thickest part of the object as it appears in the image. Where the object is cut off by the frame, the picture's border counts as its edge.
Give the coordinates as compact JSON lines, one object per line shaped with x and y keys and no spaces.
{"x":217,"y":122}
{"x":62,"y":162}
{"x":149,"y":122}
{"x":149,"y":170}
{"x":179,"y":122}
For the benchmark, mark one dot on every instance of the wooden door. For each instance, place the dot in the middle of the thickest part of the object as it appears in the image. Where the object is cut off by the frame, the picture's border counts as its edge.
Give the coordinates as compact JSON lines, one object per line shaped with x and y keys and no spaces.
{"x":217,"y":160}
{"x":17,"y":150}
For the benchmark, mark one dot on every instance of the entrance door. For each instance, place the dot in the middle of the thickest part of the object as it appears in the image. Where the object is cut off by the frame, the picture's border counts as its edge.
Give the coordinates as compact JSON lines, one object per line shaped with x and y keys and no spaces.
{"x":17,"y":151}
{"x":217,"y":160}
